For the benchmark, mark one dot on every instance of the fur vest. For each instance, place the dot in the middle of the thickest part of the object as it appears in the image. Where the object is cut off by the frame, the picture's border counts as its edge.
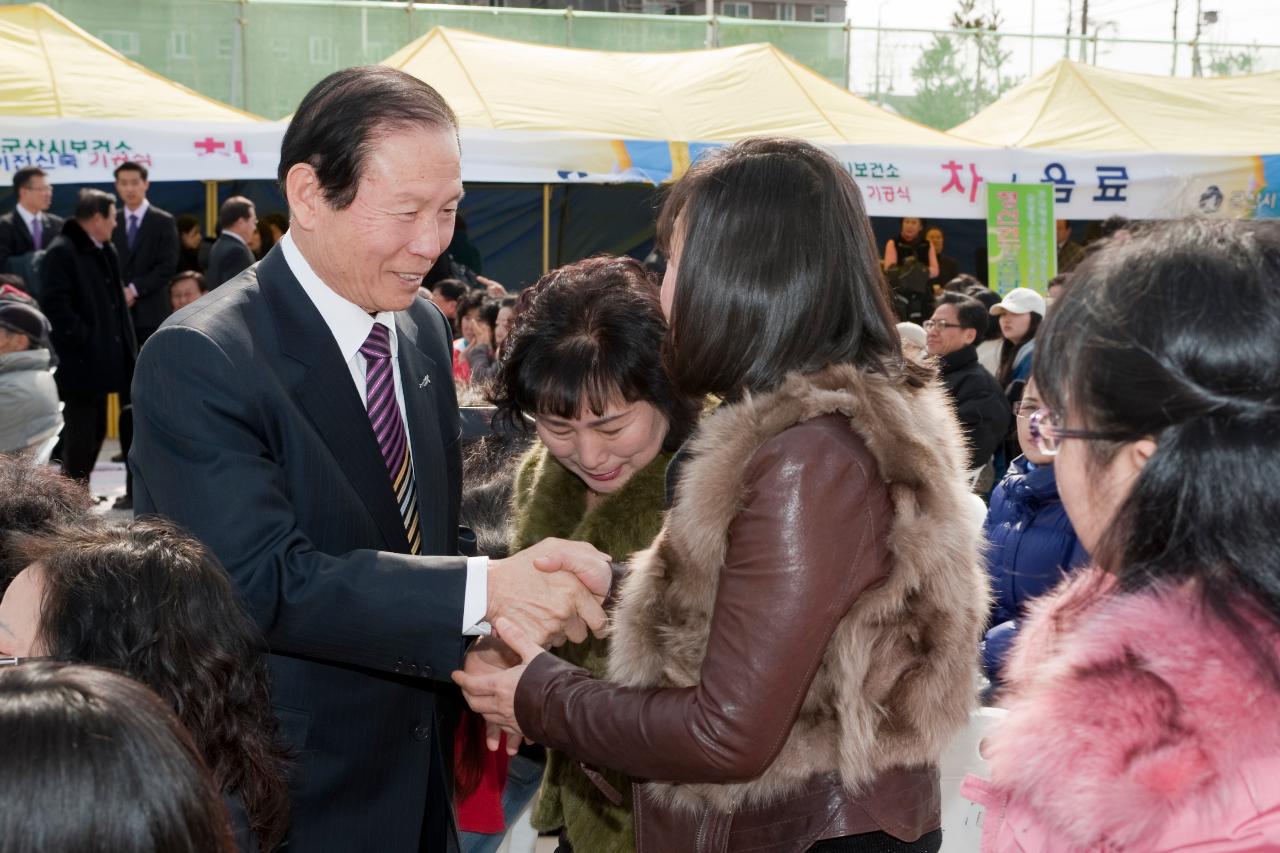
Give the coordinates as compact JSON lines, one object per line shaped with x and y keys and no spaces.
{"x":899,"y":674}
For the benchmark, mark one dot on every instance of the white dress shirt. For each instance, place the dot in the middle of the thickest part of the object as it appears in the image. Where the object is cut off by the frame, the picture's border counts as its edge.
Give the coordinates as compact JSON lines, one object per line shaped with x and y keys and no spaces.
{"x":27,"y":217}
{"x":350,"y":325}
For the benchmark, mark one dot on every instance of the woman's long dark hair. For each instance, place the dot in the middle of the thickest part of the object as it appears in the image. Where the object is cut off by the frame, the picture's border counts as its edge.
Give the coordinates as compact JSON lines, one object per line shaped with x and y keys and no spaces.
{"x":95,"y":761}
{"x":149,"y":600}
{"x":778,"y":272}
{"x":1175,"y":335}
{"x":1009,"y":350}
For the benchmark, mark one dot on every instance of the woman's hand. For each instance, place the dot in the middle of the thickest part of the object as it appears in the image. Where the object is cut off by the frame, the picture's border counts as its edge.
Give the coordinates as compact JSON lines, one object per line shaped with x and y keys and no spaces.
{"x":490,"y":689}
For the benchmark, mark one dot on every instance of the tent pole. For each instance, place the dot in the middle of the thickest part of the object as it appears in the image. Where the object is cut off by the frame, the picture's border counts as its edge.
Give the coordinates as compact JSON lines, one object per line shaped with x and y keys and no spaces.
{"x":546,"y":228}
{"x":210,"y":208}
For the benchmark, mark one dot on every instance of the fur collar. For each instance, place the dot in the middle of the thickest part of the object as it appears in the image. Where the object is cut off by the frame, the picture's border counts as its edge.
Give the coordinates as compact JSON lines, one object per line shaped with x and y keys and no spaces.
{"x":552,"y":501}
{"x":1128,"y":710}
{"x":865,"y":712}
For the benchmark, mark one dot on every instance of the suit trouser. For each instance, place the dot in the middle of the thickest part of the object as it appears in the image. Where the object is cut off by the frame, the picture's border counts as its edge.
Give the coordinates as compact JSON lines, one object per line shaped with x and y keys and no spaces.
{"x":85,"y":419}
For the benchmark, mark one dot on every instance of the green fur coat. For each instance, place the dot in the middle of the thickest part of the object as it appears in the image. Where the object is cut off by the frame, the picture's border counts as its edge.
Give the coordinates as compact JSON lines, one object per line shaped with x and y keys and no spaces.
{"x":549,"y":500}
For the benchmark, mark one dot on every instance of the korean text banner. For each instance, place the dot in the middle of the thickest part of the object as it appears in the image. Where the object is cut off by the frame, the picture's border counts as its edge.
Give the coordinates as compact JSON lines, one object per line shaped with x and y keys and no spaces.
{"x":895,"y":180}
{"x":1021,"y":241}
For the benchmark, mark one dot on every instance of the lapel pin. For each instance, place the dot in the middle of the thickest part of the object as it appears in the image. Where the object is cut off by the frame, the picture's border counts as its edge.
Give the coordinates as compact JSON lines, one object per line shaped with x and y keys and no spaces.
{"x":426,"y":380}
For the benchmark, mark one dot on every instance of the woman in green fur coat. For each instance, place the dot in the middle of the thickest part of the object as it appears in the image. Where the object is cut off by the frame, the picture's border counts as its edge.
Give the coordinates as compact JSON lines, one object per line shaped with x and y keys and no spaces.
{"x":583,"y":362}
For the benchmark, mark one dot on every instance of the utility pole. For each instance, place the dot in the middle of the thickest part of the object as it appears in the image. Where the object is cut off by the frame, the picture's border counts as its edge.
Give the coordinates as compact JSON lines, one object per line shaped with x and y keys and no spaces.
{"x":1174,"y":70}
{"x":1066,"y":43}
{"x":879,"y":30}
{"x":1195,"y":44}
{"x":1084,"y":29}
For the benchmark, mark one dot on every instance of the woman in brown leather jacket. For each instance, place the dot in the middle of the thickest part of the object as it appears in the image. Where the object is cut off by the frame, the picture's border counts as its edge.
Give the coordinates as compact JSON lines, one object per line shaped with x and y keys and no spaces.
{"x":794,"y":650}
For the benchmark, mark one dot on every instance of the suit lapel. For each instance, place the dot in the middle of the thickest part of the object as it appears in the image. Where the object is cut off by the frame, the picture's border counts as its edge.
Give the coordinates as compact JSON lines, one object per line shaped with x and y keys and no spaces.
{"x":420,"y":378}
{"x":324,"y":390}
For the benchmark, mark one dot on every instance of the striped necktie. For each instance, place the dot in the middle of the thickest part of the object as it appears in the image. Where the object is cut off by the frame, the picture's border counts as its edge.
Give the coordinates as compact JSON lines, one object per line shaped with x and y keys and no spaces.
{"x":388,"y":428}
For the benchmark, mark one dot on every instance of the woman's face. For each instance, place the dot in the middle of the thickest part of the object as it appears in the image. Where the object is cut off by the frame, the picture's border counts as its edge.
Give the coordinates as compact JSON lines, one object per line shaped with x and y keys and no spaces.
{"x":506,"y":319}
{"x":471,"y":326}
{"x":668,"y":293}
{"x":1030,"y":403}
{"x":605,"y":450}
{"x":910,"y":228}
{"x":20,"y":614}
{"x":1092,"y":494}
{"x":191,"y":239}
{"x":1014,"y":327}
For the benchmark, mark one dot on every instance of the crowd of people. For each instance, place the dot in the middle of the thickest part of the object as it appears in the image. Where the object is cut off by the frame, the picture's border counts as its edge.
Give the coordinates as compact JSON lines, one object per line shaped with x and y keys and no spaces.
{"x":726,"y":562}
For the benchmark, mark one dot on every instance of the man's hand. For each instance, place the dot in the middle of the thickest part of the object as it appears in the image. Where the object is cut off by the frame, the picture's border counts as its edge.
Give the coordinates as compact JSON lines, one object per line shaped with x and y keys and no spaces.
{"x":129,"y":298}
{"x":491,"y":690}
{"x":542,"y":590}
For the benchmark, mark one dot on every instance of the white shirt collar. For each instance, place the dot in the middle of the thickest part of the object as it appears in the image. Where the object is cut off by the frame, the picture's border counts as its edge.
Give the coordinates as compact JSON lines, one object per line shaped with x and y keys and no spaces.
{"x":140,"y":211}
{"x":231,"y":233}
{"x":348,"y":322}
{"x":27,"y":216}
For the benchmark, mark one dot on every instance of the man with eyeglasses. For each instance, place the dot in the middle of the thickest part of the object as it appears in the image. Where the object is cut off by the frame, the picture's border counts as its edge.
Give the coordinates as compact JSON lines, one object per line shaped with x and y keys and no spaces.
{"x":981,"y":406}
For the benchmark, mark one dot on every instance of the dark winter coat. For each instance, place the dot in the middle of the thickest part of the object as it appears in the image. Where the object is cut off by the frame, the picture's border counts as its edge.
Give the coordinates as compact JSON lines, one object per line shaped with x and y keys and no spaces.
{"x":981,"y":406}
{"x":83,"y":297}
{"x":1031,"y":546}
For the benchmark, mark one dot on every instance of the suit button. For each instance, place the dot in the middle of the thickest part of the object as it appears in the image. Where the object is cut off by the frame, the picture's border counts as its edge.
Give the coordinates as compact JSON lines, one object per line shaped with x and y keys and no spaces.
{"x":426,"y":672}
{"x":399,"y":667}
{"x":413,"y":669}
{"x":422,"y":733}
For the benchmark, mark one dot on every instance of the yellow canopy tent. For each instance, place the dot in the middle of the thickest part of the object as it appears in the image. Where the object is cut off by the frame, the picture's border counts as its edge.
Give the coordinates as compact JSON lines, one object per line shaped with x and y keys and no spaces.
{"x":1080,"y":107}
{"x":705,"y":95}
{"x":49,"y":67}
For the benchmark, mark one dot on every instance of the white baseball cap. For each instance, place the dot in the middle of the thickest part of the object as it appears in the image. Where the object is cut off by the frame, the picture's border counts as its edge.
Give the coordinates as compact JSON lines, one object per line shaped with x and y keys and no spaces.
{"x":1020,"y":300}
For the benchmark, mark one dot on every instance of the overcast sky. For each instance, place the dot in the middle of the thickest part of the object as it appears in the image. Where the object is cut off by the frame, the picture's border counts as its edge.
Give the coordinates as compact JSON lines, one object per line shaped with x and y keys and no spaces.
{"x":1244,"y":21}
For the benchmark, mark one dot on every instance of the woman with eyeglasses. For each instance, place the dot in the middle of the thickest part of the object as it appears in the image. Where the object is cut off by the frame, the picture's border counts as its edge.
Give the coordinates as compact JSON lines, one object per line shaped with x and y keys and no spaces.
{"x":792,"y":652}
{"x":150,"y":601}
{"x":1031,"y":544}
{"x":1144,"y":693}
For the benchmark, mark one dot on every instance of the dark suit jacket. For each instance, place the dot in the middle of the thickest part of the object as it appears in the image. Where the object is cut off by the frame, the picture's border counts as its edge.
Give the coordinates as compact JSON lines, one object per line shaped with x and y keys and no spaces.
{"x":151,"y":263}
{"x":227,"y":259}
{"x":15,"y":237}
{"x":83,"y":297}
{"x":249,"y":431}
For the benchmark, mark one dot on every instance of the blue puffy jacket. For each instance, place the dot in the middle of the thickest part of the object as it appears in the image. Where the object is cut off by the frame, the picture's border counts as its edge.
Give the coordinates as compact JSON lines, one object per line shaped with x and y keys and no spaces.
{"x":1032,"y":545}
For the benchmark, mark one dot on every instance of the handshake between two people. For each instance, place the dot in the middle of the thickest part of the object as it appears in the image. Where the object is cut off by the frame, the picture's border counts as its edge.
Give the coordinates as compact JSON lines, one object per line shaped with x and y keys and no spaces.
{"x":539,"y":597}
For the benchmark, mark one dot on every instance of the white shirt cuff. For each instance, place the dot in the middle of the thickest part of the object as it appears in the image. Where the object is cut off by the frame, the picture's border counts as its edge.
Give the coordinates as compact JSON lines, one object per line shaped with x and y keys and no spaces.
{"x":476,"y":600}
{"x":132,"y":290}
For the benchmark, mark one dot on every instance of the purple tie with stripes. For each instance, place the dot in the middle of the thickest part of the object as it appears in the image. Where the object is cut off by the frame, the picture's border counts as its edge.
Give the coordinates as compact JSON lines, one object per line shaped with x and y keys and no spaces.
{"x":388,"y":428}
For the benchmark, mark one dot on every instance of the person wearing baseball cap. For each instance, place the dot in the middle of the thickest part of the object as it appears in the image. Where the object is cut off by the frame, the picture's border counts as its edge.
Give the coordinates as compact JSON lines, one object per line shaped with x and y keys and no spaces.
{"x":1020,"y":314}
{"x":29,"y":410}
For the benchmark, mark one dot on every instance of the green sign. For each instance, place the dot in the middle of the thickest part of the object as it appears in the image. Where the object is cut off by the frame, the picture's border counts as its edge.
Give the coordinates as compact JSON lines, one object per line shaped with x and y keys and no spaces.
{"x":1022,"y":248}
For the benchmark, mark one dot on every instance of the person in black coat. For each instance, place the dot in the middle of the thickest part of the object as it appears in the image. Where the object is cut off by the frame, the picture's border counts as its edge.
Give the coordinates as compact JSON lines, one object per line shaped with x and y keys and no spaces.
{"x":29,"y":219}
{"x":146,"y":241}
{"x":981,"y":406}
{"x":230,"y":255}
{"x":265,"y":419}
{"x":92,"y":333}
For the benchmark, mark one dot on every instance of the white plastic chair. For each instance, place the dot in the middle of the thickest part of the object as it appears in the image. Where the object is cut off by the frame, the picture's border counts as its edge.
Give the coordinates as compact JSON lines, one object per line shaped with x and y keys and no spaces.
{"x":961,"y":818}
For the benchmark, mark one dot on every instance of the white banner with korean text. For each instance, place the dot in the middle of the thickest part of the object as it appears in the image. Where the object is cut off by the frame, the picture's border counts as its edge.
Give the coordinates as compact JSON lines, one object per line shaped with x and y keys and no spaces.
{"x":947,"y":183}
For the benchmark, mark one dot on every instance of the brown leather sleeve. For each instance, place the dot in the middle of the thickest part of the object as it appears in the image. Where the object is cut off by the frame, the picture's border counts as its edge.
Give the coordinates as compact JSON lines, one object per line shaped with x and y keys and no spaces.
{"x":809,"y":538}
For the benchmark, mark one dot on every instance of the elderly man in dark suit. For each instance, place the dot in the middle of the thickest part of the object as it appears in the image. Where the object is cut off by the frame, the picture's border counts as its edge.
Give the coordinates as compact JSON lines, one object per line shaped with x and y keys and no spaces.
{"x":84,"y":298}
{"x":301,"y":420}
{"x":146,"y":241}
{"x":29,"y":227}
{"x":230,"y":254}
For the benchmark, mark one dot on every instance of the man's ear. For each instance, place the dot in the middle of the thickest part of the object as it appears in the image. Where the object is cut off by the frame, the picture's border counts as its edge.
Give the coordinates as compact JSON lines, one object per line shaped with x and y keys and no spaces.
{"x":970,"y":336}
{"x":303,"y":193}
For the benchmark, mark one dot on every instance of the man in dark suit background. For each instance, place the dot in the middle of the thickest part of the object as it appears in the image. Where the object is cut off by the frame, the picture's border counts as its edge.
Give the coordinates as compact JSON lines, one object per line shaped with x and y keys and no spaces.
{"x":230,"y":254}
{"x":146,"y":241}
{"x":29,"y":227}
{"x":84,"y":298}
{"x":301,"y":420}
